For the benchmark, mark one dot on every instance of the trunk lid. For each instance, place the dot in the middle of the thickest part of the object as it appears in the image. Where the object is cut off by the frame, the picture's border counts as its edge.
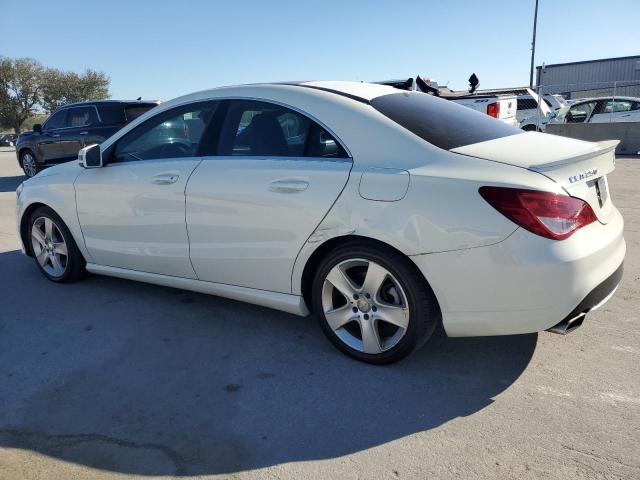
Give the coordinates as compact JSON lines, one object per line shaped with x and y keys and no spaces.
{"x":580,"y":167}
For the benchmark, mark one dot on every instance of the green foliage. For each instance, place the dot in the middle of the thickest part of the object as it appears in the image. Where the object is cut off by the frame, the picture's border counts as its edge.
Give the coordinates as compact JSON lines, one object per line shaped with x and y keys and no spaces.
{"x":27,"y":88}
{"x":61,"y":88}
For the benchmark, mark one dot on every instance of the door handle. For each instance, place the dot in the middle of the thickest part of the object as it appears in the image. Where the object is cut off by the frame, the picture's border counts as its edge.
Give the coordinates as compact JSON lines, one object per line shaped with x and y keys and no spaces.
{"x":289,"y":185}
{"x":165,"y":178}
{"x":84,"y":133}
{"x":54,"y":135}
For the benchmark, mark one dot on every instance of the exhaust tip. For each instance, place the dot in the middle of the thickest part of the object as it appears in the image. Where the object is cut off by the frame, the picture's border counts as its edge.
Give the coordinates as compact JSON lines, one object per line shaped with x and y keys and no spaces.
{"x":568,"y":325}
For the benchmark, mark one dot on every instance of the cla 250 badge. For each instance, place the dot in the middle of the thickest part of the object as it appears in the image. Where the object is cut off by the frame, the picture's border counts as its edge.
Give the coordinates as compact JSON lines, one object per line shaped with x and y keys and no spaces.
{"x":584,"y":175}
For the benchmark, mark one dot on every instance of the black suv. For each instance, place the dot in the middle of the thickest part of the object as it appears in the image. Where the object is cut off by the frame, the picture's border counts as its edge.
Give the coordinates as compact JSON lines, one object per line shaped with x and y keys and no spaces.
{"x":72,"y":127}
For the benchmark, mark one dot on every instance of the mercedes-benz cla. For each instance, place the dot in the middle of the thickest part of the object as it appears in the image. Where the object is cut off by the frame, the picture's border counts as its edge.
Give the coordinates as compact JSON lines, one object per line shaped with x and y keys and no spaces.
{"x":388,"y":214}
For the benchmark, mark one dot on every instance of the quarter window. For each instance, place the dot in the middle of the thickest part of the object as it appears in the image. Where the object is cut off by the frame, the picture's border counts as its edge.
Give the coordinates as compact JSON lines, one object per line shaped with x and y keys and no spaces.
{"x":173,"y":134}
{"x":263,"y":129}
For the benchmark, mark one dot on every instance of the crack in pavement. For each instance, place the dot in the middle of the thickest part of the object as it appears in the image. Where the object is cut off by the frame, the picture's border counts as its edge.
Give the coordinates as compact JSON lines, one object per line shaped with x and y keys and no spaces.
{"x":26,"y":439}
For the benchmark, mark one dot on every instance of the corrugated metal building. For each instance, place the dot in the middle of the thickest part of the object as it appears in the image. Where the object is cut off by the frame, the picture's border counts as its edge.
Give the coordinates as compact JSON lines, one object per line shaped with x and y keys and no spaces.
{"x":592,"y":78}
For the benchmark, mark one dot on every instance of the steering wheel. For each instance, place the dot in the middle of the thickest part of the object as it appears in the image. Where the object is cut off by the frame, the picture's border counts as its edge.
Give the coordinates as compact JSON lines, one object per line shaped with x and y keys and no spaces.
{"x":181,"y":147}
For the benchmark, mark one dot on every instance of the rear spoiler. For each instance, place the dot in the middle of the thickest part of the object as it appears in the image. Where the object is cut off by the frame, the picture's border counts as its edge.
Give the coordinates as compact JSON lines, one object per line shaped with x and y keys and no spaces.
{"x":602,"y":147}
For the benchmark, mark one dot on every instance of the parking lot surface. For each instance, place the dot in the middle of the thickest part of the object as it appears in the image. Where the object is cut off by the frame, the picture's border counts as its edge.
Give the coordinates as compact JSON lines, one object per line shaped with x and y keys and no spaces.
{"x":107,"y":379}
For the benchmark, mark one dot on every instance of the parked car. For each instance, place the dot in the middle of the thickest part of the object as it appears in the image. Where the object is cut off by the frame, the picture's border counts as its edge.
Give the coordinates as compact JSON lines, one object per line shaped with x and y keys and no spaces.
{"x":502,"y":107}
{"x":399,"y":213}
{"x":590,"y":110}
{"x":7,"y":140}
{"x":528,"y":106}
{"x":499,"y":106}
{"x":72,"y":127}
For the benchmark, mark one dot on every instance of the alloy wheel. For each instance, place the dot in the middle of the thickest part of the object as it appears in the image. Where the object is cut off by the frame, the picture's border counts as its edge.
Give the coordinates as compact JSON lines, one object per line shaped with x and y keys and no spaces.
{"x":365,"y":305}
{"x":29,"y":164}
{"x":49,"y":247}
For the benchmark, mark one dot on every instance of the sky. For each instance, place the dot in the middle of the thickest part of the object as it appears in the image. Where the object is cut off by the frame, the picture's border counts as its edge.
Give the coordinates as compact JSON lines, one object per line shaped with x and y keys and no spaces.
{"x":160,"y":49}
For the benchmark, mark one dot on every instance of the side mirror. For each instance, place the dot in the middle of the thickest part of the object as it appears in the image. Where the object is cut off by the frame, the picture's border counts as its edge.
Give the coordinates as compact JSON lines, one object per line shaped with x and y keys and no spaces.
{"x":37,"y":128}
{"x":90,"y":157}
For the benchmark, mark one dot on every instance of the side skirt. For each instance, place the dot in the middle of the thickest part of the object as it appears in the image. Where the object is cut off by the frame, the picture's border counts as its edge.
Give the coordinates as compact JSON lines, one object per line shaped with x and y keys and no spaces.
{"x":279,"y":301}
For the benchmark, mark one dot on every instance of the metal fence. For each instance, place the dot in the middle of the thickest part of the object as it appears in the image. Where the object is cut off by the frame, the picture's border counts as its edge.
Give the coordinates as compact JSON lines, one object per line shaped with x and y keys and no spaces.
{"x":593,"y":111}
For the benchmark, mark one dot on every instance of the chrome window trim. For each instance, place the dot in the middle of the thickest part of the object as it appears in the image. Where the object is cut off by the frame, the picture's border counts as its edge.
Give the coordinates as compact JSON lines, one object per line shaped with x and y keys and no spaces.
{"x":349,"y":156}
{"x":66,"y":109}
{"x":301,"y":112}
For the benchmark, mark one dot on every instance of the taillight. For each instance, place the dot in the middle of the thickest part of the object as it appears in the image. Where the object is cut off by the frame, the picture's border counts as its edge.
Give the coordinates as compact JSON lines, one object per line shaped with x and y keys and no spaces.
{"x":493,"y":109}
{"x":547,"y":214}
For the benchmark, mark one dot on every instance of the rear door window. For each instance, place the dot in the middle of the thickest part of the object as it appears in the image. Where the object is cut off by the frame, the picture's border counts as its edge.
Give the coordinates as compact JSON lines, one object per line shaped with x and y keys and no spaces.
{"x":81,"y":116}
{"x":254,"y":128}
{"x":440,"y":122}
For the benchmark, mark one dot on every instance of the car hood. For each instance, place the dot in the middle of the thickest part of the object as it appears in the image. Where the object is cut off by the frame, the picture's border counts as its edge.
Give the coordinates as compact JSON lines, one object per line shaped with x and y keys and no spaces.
{"x":58,"y":173}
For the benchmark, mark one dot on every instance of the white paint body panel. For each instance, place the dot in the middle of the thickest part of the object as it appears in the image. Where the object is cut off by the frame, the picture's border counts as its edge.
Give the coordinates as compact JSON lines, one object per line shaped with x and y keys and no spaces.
{"x":526,"y":283}
{"x":245,"y":232}
{"x":250,"y":239}
{"x":128,"y":221}
{"x":280,"y":301}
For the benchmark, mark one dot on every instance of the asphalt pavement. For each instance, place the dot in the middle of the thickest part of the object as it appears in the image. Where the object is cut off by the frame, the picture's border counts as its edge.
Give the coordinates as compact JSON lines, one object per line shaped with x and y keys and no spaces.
{"x":107,"y":378}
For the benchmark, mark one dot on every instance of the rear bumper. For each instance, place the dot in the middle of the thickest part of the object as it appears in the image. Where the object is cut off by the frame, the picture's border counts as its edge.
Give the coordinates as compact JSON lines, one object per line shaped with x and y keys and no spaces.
{"x":525,"y":283}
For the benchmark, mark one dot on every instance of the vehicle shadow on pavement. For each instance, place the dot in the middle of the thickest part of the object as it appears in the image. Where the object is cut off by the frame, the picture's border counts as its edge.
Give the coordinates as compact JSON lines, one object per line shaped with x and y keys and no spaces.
{"x":9,"y":184}
{"x":140,"y":379}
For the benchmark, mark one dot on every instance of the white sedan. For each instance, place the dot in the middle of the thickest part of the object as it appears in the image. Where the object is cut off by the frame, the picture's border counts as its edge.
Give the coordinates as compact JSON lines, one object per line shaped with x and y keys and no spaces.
{"x":388,"y":214}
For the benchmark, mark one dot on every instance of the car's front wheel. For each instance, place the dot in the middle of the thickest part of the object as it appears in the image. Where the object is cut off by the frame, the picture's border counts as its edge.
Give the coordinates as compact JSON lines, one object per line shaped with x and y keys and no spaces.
{"x":29,"y":163}
{"x":53,"y":247}
{"x":373,"y":303}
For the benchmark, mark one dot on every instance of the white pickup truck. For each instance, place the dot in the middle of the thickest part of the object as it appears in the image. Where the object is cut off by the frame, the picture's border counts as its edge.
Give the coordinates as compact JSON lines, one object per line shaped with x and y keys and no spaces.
{"x":503,"y":106}
{"x":500,"y":106}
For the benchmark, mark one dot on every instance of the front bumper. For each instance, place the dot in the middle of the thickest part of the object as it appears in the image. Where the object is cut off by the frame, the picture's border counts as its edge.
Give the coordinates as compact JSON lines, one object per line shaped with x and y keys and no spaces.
{"x":525,"y":283}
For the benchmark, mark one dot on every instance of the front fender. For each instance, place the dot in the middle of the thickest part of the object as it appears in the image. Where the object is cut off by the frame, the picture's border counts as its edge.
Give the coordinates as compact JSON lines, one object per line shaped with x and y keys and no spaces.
{"x":56,"y":191}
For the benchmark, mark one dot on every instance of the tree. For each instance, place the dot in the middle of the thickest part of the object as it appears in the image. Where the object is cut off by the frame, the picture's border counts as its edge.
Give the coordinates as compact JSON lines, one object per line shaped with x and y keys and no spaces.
{"x":61,"y":88}
{"x":27,"y":88}
{"x":20,"y":90}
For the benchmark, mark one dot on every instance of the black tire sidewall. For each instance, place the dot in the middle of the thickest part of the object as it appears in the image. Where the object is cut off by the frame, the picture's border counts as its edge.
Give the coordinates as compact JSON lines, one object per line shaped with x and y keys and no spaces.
{"x":424,"y":316}
{"x":22,"y":154}
{"x":75,"y":261}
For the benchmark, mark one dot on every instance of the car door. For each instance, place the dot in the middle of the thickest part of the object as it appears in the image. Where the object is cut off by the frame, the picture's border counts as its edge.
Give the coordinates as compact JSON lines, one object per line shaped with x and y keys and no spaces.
{"x":72,"y":138}
{"x":48,"y":142}
{"x":623,"y":111}
{"x":132,"y":210}
{"x":252,"y":206}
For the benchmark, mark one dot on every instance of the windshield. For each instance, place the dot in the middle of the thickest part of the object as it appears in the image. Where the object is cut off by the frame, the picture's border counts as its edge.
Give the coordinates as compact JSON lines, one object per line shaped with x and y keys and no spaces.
{"x":440,"y":122}
{"x":562,"y":113}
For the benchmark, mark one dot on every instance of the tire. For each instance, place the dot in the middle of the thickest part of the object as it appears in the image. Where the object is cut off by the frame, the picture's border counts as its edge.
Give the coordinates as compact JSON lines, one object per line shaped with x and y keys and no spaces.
{"x":49,"y":247}
{"x":403,"y":296}
{"x":531,"y":128}
{"x":29,"y":163}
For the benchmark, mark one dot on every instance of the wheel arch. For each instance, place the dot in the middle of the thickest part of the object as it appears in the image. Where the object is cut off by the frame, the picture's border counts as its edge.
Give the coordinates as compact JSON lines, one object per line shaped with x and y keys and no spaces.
{"x":24,"y":225}
{"x":331,"y":244}
{"x":23,"y":149}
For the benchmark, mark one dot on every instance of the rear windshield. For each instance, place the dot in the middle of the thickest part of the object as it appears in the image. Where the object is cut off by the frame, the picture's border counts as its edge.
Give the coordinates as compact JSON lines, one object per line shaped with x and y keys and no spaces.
{"x":440,"y":122}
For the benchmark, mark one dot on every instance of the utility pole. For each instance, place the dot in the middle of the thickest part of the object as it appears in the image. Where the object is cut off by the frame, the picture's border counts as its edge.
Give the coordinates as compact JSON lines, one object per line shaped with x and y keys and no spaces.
{"x":533,"y":45}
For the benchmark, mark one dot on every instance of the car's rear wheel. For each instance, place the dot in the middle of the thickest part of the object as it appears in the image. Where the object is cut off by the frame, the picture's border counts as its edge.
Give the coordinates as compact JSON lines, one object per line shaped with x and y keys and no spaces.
{"x":28,"y":163}
{"x":53,"y":247}
{"x":373,"y":303}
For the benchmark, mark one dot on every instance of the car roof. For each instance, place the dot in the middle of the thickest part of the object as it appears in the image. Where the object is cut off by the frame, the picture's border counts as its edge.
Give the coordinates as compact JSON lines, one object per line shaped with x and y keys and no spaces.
{"x":594,"y":99}
{"x":106,"y":102}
